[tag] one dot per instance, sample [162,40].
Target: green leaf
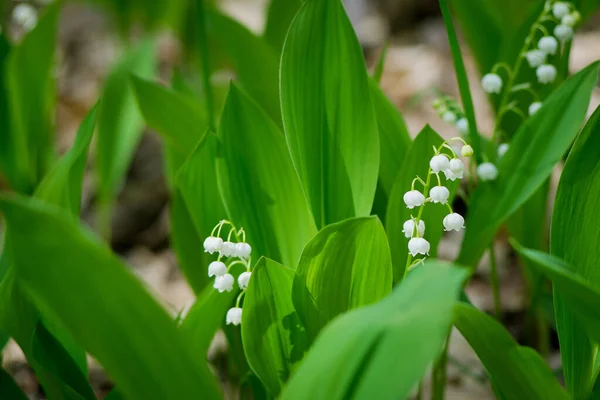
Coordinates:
[574,237]
[536,148]
[518,372]
[279,18]
[356,356]
[328,116]
[345,266]
[29,81]
[9,388]
[195,209]
[10,155]
[70,272]
[259,184]
[119,120]
[416,163]
[274,338]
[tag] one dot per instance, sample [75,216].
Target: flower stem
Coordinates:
[495,283]
[438,373]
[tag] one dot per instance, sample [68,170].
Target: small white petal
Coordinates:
[224,283]
[535,58]
[487,171]
[243,279]
[563,32]
[449,117]
[439,163]
[462,125]
[212,244]
[453,222]
[560,9]
[491,83]
[439,194]
[548,44]
[467,151]
[243,250]
[418,246]
[234,316]
[534,107]
[413,199]
[546,73]
[217,268]
[502,149]
[228,249]
[409,228]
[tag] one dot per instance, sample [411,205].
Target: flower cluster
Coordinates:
[449,111]
[239,254]
[452,168]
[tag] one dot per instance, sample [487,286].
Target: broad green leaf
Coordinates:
[279,18]
[119,120]
[29,81]
[357,355]
[416,163]
[345,266]
[574,237]
[181,121]
[518,372]
[70,272]
[274,338]
[254,61]
[536,148]
[328,115]
[9,388]
[261,190]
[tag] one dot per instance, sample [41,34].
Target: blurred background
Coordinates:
[92,36]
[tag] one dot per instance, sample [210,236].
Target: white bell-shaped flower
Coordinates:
[439,163]
[449,117]
[466,151]
[502,149]
[418,246]
[534,107]
[535,58]
[546,73]
[457,167]
[453,222]
[413,199]
[234,316]
[212,244]
[462,125]
[560,9]
[569,20]
[439,194]
[563,32]
[228,249]
[217,268]
[548,44]
[243,250]
[487,171]
[409,228]
[224,283]
[491,83]
[25,15]
[244,279]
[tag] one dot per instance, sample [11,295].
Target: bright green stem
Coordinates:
[438,374]
[495,283]
[205,60]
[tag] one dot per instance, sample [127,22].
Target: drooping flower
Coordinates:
[439,163]
[502,149]
[457,167]
[234,316]
[453,222]
[491,83]
[535,58]
[217,268]
[418,246]
[228,249]
[439,194]
[409,228]
[570,19]
[449,117]
[212,244]
[487,171]
[546,73]
[243,250]
[548,44]
[224,283]
[244,279]
[467,151]
[563,32]
[462,125]
[25,15]
[534,107]
[560,9]
[413,199]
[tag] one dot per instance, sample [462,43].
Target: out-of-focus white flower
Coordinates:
[546,73]
[491,83]
[224,283]
[548,44]
[487,171]
[453,222]
[409,228]
[535,58]
[243,279]
[234,316]
[534,107]
[463,125]
[243,250]
[439,194]
[228,249]
[563,32]
[467,151]
[212,244]
[25,15]
[570,20]
[439,163]
[502,149]
[217,268]
[418,246]
[560,9]
[413,199]
[449,117]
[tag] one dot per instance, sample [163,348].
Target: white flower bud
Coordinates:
[568,20]
[449,117]
[409,228]
[243,279]
[563,32]
[546,73]
[535,58]
[487,171]
[463,125]
[224,283]
[491,83]
[243,250]
[453,222]
[413,199]
[467,151]
[560,9]
[228,249]
[439,163]
[439,194]
[534,107]
[217,268]
[234,316]
[502,149]
[418,246]
[548,44]
[455,170]
[212,244]
[25,15]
